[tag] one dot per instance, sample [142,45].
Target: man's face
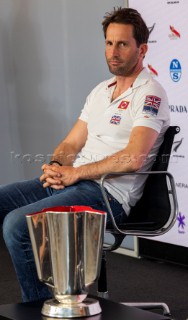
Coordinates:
[123,56]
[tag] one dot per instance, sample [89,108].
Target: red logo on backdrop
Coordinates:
[123,105]
[174,34]
[153,71]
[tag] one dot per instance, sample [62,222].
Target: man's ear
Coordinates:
[143,49]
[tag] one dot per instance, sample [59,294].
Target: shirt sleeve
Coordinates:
[84,113]
[150,108]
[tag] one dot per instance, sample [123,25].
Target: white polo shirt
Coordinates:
[110,125]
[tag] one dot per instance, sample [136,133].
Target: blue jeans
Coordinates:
[21,198]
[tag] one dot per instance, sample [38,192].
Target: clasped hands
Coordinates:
[58,177]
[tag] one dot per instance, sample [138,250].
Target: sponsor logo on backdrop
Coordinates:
[181,185]
[152,70]
[175,70]
[181,223]
[150,31]
[151,28]
[177,144]
[174,35]
[173,2]
[176,149]
[178,108]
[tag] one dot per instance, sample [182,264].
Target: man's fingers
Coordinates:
[53,186]
[57,187]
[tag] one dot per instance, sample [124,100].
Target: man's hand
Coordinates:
[57,177]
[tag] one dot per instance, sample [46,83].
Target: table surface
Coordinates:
[110,311]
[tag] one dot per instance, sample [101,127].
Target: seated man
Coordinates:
[119,130]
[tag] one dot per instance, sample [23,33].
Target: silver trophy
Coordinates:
[67,244]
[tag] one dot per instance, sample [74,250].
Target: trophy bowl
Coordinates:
[67,244]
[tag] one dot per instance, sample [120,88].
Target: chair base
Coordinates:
[150,306]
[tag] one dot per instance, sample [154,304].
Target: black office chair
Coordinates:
[154,214]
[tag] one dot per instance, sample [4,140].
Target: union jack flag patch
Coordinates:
[115,119]
[151,105]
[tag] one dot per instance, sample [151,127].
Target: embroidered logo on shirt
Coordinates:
[123,105]
[151,105]
[115,119]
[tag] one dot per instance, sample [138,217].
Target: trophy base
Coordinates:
[54,309]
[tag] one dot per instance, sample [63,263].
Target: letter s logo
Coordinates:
[175,70]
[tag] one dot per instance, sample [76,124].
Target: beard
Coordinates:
[123,68]
[118,71]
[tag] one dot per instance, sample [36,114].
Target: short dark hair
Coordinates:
[128,16]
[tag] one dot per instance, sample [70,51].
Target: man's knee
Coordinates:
[14,228]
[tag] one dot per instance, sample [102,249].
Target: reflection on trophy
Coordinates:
[67,244]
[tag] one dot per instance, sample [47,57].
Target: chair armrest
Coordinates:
[173,201]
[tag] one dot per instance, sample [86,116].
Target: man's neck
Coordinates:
[124,83]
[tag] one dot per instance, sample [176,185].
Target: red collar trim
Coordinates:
[112,84]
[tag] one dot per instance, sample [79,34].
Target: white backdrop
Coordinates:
[167,60]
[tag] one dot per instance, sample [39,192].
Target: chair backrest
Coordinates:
[156,212]
[153,209]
